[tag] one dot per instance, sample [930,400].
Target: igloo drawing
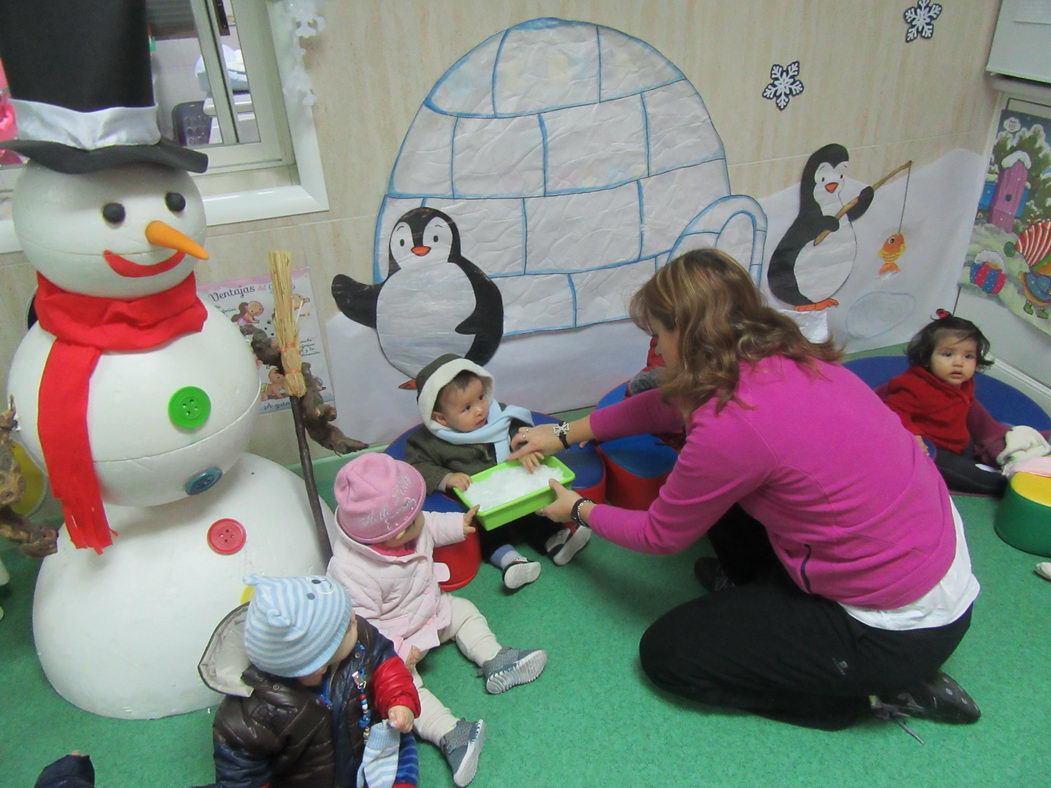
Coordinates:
[575,160]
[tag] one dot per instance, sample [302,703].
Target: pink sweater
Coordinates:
[855,511]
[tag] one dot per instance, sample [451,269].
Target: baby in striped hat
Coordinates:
[313,692]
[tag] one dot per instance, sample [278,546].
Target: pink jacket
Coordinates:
[855,511]
[399,595]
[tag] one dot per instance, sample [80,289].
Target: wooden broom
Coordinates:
[287,331]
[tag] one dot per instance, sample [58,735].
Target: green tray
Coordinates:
[521,506]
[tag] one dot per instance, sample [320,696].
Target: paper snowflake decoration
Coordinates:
[920,19]
[784,84]
[293,20]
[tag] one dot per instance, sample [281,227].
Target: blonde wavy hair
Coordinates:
[722,321]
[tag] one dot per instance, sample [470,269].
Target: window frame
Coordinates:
[289,153]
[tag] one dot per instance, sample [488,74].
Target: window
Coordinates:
[218,68]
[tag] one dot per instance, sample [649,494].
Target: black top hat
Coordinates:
[81,85]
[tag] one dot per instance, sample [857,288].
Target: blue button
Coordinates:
[202,481]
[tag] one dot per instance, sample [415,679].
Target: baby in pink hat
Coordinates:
[383,554]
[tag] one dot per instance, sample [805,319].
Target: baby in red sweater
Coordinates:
[935,400]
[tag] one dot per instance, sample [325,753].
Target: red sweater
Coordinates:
[932,408]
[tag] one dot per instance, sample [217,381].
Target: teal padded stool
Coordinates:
[1023,519]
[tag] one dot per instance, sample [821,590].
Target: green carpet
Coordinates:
[591,718]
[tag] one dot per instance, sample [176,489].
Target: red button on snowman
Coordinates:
[138,398]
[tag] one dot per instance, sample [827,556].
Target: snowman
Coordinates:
[138,397]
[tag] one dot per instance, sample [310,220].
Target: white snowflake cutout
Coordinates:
[920,19]
[784,84]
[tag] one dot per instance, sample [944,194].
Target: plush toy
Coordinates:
[35,540]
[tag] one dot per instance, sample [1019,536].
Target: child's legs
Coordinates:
[435,719]
[536,530]
[961,474]
[471,632]
[490,540]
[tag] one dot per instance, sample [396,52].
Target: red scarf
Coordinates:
[931,407]
[85,327]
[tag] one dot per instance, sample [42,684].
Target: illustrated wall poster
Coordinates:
[251,302]
[571,160]
[1009,256]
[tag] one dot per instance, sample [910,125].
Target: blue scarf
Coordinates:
[495,431]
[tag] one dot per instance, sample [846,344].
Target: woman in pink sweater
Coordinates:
[843,580]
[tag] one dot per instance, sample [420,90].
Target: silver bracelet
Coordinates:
[562,431]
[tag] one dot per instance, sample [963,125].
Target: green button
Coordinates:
[189,407]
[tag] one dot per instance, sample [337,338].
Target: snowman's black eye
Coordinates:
[175,202]
[113,212]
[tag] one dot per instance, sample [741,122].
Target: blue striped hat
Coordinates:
[295,624]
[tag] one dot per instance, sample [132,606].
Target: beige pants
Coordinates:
[476,641]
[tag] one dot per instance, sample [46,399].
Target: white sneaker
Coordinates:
[576,542]
[520,573]
[1043,569]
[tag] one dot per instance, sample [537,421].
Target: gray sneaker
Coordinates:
[461,747]
[511,667]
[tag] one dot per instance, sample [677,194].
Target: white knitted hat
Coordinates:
[295,624]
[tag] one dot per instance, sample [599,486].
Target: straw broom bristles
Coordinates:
[285,323]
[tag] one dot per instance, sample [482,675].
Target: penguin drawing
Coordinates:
[806,269]
[433,301]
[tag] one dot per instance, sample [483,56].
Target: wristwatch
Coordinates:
[562,431]
[574,513]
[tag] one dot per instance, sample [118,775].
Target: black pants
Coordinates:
[962,474]
[767,647]
[532,529]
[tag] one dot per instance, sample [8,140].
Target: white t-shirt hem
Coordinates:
[942,605]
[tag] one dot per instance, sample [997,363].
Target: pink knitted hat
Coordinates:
[377,497]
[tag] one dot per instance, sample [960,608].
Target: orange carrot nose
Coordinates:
[160,234]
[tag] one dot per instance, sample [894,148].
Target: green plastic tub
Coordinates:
[504,513]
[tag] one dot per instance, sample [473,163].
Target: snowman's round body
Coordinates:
[120,633]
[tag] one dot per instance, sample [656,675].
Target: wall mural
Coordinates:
[550,171]
[569,161]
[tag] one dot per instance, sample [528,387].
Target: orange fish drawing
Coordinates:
[892,249]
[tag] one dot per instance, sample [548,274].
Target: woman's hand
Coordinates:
[401,718]
[559,509]
[529,441]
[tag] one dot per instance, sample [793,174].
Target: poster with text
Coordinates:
[250,302]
